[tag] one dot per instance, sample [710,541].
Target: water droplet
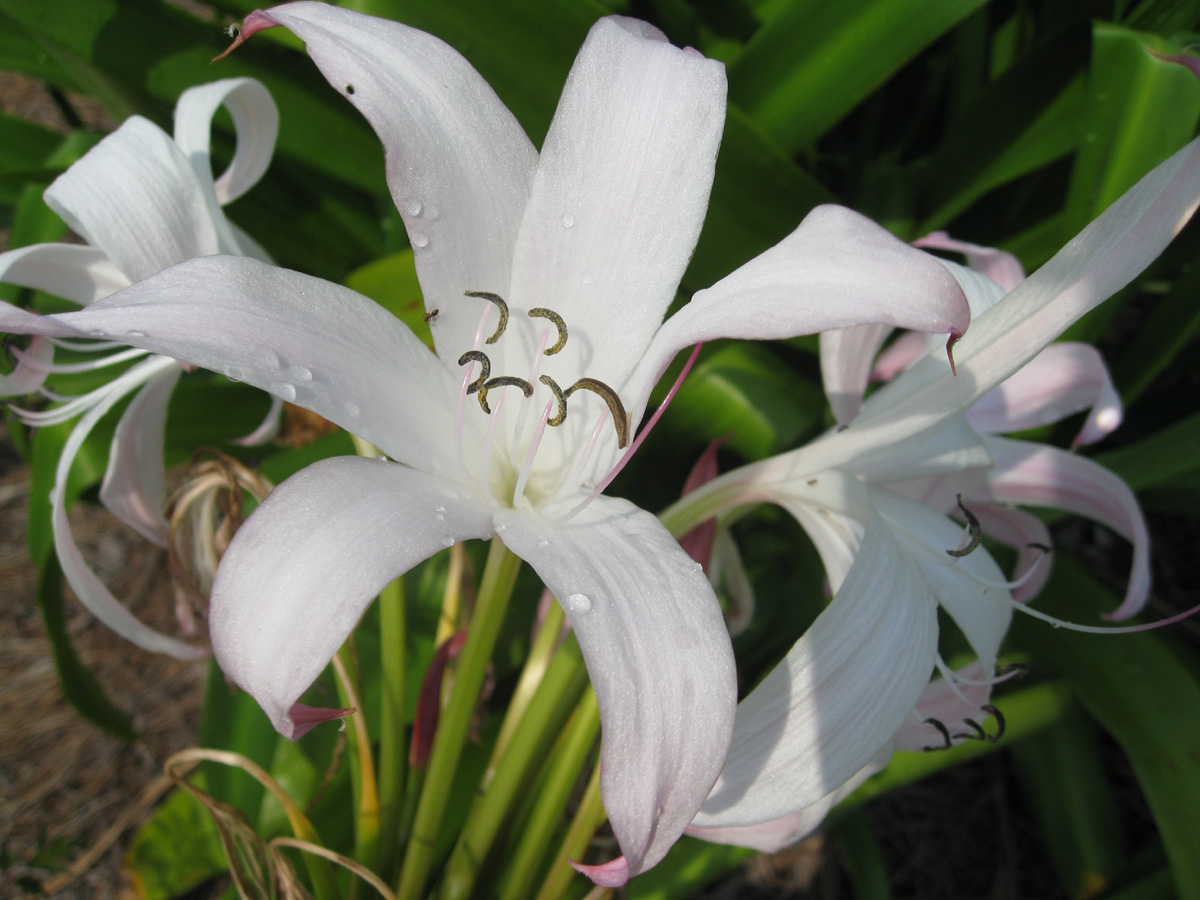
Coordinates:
[381,457]
[233,373]
[135,334]
[352,410]
[284,389]
[697,567]
[439,509]
[439,517]
[543,544]
[568,221]
[268,359]
[587,278]
[300,373]
[501,528]
[448,541]
[413,207]
[579,603]
[420,240]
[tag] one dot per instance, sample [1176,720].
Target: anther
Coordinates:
[979,735]
[485,368]
[503,381]
[541,312]
[561,415]
[1014,670]
[940,726]
[615,406]
[973,528]
[500,304]
[1045,548]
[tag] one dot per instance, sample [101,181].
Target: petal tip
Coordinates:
[254,23]
[304,719]
[612,874]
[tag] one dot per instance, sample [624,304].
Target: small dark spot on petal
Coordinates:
[349,89]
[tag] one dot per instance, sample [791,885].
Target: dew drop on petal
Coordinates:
[413,207]
[501,528]
[268,359]
[543,544]
[579,603]
[233,373]
[568,220]
[284,389]
[300,373]
[448,541]
[587,278]
[420,240]
[135,334]
[439,517]
[352,410]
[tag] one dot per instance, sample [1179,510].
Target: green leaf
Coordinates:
[1159,460]
[78,684]
[177,850]
[815,61]
[1167,332]
[1143,694]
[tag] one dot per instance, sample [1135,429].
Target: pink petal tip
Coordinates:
[255,22]
[306,718]
[612,874]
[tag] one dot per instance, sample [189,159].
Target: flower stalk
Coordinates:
[393,738]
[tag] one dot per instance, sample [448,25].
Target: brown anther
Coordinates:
[940,726]
[500,305]
[561,415]
[485,368]
[615,406]
[974,529]
[503,381]
[541,312]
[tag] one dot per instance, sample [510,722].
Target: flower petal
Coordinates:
[267,429]
[91,592]
[308,341]
[1029,536]
[135,484]
[301,570]
[659,658]
[620,193]
[836,270]
[30,373]
[1038,475]
[71,271]
[136,198]
[940,701]
[1060,381]
[458,164]
[838,697]
[1003,268]
[847,358]
[1102,259]
[255,120]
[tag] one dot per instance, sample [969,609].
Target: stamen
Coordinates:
[489,441]
[85,346]
[503,381]
[71,368]
[974,529]
[485,368]
[561,415]
[460,407]
[615,406]
[940,726]
[541,312]
[500,304]
[527,465]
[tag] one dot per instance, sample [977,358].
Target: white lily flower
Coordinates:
[843,694]
[143,201]
[568,260]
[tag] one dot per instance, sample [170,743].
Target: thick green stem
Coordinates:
[536,664]
[568,761]
[498,577]
[588,818]
[552,705]
[393,736]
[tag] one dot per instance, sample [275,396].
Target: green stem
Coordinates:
[555,793]
[362,766]
[588,818]
[393,736]
[536,664]
[564,681]
[498,577]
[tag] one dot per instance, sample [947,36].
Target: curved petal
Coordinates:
[308,341]
[838,697]
[1038,475]
[1060,381]
[267,429]
[773,836]
[301,570]
[659,658]
[1102,259]
[71,271]
[620,193]
[27,377]
[847,358]
[136,198]
[836,270]
[970,588]
[458,164]
[91,592]
[901,353]
[942,702]
[255,120]
[1029,536]
[1003,268]
[135,484]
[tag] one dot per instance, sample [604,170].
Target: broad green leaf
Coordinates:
[1163,16]
[1158,344]
[1064,782]
[392,283]
[817,60]
[864,862]
[1159,460]
[1145,697]
[177,850]
[24,145]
